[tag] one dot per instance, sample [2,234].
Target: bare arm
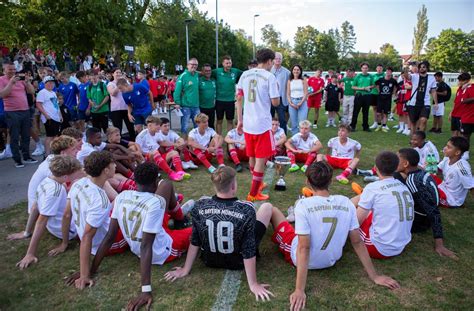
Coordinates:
[239,112]
[316,147]
[259,290]
[65,226]
[298,297]
[84,256]
[180,272]
[192,143]
[276,102]
[289,145]
[30,256]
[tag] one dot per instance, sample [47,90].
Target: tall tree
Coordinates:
[348,39]
[315,49]
[420,32]
[271,37]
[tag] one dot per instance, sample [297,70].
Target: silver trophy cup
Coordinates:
[282,164]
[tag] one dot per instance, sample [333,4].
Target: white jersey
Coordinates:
[346,151]
[87,149]
[328,221]
[278,134]
[138,212]
[90,204]
[40,174]
[147,142]
[50,104]
[205,139]
[301,144]
[235,136]
[172,137]
[457,181]
[431,85]
[393,210]
[258,87]
[51,197]
[428,149]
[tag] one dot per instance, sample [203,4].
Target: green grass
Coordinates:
[428,281]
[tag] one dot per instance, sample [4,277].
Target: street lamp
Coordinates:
[187,21]
[255,16]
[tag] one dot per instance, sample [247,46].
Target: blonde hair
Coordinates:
[62,143]
[64,165]
[305,123]
[72,132]
[223,178]
[202,117]
[153,119]
[63,74]
[111,130]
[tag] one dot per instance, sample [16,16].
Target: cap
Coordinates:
[47,79]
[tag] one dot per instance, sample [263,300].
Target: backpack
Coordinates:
[101,86]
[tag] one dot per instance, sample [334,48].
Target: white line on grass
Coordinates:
[229,290]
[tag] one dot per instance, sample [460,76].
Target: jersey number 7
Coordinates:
[333,222]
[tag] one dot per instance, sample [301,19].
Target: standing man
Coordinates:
[316,83]
[375,92]
[348,99]
[259,88]
[282,75]
[186,94]
[419,106]
[363,83]
[207,95]
[13,89]
[443,91]
[226,78]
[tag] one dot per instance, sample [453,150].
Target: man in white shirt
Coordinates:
[303,147]
[282,75]
[48,106]
[259,88]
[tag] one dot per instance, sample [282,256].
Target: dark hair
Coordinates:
[226,57]
[319,175]
[389,68]
[91,132]
[379,65]
[207,65]
[146,174]
[411,155]
[426,63]
[387,163]
[420,134]
[351,69]
[253,62]
[80,74]
[364,63]
[345,126]
[438,74]
[264,55]
[96,162]
[291,72]
[465,76]
[164,121]
[460,143]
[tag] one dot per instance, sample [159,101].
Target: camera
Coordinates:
[22,76]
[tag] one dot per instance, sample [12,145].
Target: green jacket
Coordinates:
[186,93]
[207,93]
[97,93]
[225,82]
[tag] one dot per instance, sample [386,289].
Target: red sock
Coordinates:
[310,159]
[347,172]
[162,163]
[251,169]
[234,156]
[220,155]
[374,172]
[129,174]
[177,212]
[257,179]
[292,157]
[187,155]
[202,157]
[178,165]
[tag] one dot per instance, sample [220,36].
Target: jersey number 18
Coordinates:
[225,238]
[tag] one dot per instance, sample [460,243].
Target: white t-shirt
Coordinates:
[172,137]
[428,149]
[393,211]
[431,84]
[457,180]
[258,87]
[49,100]
[204,139]
[90,204]
[40,174]
[138,212]
[328,221]
[301,144]
[87,149]
[346,151]
[147,142]
[234,135]
[278,134]
[51,197]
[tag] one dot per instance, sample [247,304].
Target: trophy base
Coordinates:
[280,187]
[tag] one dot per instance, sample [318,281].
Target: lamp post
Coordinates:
[187,21]
[254,17]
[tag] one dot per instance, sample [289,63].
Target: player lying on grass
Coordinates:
[170,140]
[51,202]
[323,223]
[227,231]
[425,194]
[303,147]
[236,147]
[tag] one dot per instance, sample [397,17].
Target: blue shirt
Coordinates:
[145,83]
[139,99]
[69,92]
[83,101]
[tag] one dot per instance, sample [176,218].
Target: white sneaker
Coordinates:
[315,126]
[221,165]
[165,110]
[386,128]
[400,130]
[334,124]
[406,132]
[373,126]
[38,151]
[187,207]
[291,214]
[155,112]
[328,124]
[185,166]
[7,153]
[396,126]
[371,178]
[190,165]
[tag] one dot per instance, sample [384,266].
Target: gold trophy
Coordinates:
[282,164]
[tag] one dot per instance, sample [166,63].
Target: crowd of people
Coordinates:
[104,185]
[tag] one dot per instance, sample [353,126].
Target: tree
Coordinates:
[452,51]
[348,39]
[315,49]
[420,32]
[271,37]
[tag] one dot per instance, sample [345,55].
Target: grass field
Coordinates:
[428,281]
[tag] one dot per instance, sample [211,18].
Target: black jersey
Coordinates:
[224,229]
[333,93]
[386,87]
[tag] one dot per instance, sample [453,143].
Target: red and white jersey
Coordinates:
[87,149]
[302,144]
[148,142]
[172,137]
[90,205]
[393,212]
[40,174]
[234,135]
[346,151]
[51,198]
[328,221]
[428,149]
[204,139]
[258,87]
[278,134]
[139,212]
[457,180]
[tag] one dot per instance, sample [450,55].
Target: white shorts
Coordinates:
[439,112]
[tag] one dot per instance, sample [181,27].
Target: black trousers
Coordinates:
[211,113]
[118,117]
[100,121]
[361,102]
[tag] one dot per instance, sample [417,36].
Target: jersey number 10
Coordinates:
[225,242]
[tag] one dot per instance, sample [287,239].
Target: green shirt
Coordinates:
[97,93]
[186,93]
[225,82]
[207,93]
[348,82]
[363,81]
[376,77]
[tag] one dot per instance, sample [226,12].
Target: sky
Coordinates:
[375,22]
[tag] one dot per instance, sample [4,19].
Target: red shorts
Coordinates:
[260,145]
[241,154]
[283,236]
[314,102]
[400,111]
[365,236]
[165,151]
[181,240]
[341,163]
[119,246]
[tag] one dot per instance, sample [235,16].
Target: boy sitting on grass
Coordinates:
[236,147]
[170,140]
[426,149]
[279,136]
[302,147]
